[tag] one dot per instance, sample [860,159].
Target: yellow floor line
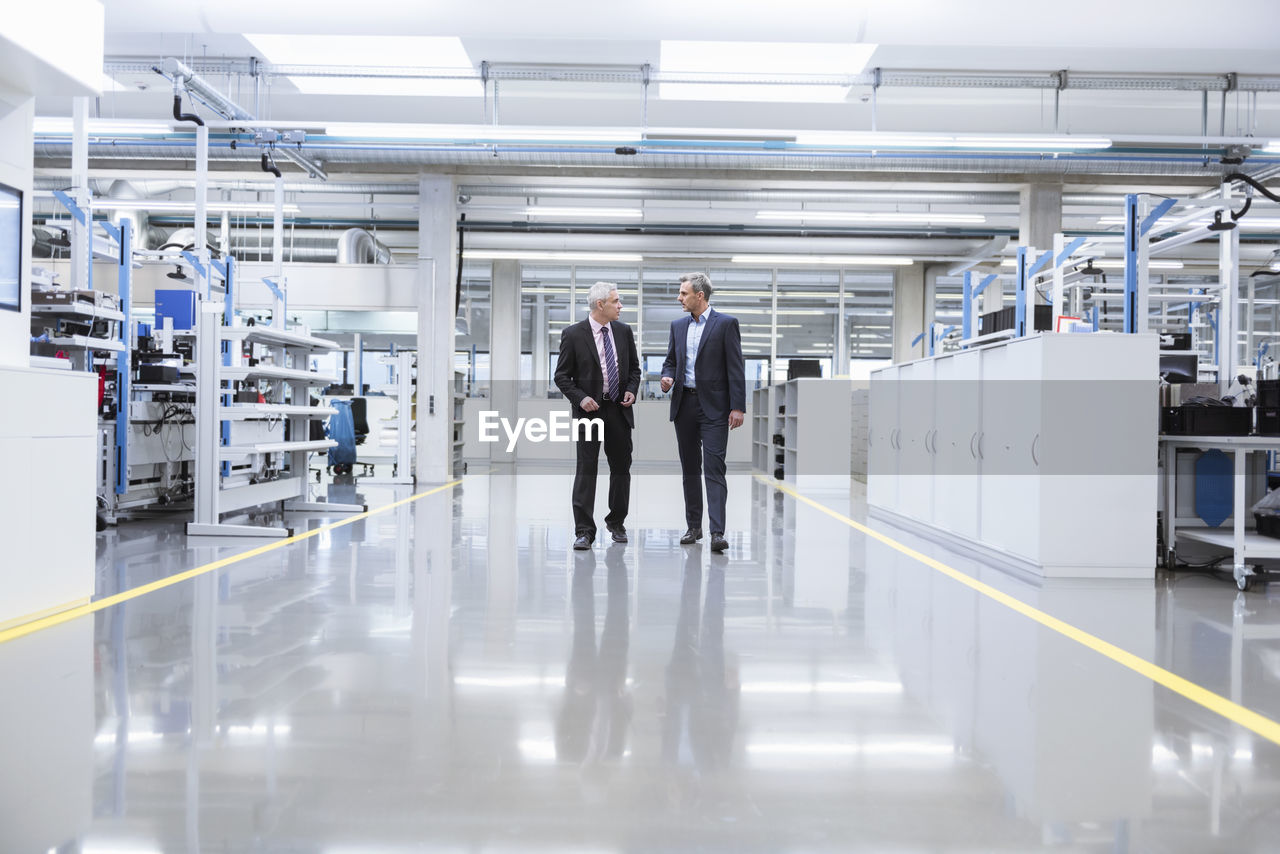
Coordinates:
[1234,712]
[38,623]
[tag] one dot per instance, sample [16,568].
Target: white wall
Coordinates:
[16,113]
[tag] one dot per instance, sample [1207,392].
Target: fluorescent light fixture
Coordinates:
[101,127]
[717,63]
[613,213]
[865,686]
[836,748]
[443,55]
[508,681]
[537,255]
[877,140]
[825,260]
[168,205]
[481,133]
[871,217]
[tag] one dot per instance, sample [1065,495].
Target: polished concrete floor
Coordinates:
[449,676]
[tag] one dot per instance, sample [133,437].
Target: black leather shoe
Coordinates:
[691,536]
[582,544]
[618,533]
[718,542]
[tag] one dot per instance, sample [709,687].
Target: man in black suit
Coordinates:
[704,365]
[599,372]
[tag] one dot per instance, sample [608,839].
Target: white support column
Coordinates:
[1040,218]
[908,312]
[504,347]
[437,251]
[1229,275]
[280,308]
[82,235]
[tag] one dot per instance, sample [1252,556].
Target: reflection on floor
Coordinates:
[450,676]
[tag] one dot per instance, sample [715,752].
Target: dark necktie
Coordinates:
[610,365]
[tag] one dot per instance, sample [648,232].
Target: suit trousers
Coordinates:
[702,444]
[617,450]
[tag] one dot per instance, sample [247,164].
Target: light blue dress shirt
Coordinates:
[691,341]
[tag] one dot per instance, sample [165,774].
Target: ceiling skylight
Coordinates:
[440,54]
[721,62]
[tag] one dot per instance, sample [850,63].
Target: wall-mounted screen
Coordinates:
[11,240]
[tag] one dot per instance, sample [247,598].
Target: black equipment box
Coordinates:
[1206,420]
[1268,421]
[1005,318]
[157,373]
[1269,393]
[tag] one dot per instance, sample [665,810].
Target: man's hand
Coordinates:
[735,419]
[589,405]
[667,383]
[628,399]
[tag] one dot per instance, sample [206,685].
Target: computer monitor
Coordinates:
[11,243]
[1182,368]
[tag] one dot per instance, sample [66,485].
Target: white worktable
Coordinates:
[1242,543]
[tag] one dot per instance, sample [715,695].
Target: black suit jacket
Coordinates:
[578,372]
[719,368]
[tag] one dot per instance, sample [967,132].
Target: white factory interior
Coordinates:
[290,554]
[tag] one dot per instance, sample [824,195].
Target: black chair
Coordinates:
[360,415]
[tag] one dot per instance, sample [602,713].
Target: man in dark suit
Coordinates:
[599,372]
[705,367]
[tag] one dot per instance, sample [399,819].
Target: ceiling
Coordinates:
[969,45]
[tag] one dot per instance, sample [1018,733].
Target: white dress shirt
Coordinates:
[691,341]
[598,338]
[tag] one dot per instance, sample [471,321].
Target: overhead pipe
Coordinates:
[357,246]
[225,107]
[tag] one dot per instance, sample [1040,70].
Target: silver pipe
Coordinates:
[224,106]
[357,246]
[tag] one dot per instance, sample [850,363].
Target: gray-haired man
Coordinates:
[599,372]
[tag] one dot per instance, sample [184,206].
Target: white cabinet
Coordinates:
[882,468]
[955,442]
[1040,449]
[914,437]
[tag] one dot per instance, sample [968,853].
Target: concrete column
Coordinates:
[1040,218]
[909,318]
[437,254]
[504,348]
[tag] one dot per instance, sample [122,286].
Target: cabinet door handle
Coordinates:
[972,451]
[1034,443]
[981,455]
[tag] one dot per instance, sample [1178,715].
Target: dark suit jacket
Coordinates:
[719,370]
[578,372]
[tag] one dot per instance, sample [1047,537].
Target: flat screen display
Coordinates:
[11,239]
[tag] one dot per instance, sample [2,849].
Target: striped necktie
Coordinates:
[610,365]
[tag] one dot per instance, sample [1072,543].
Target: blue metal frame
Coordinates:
[1131,235]
[966,310]
[1020,312]
[70,204]
[1161,209]
[124,236]
[228,271]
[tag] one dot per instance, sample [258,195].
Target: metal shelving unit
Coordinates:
[247,455]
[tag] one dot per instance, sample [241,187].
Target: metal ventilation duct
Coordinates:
[390,156]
